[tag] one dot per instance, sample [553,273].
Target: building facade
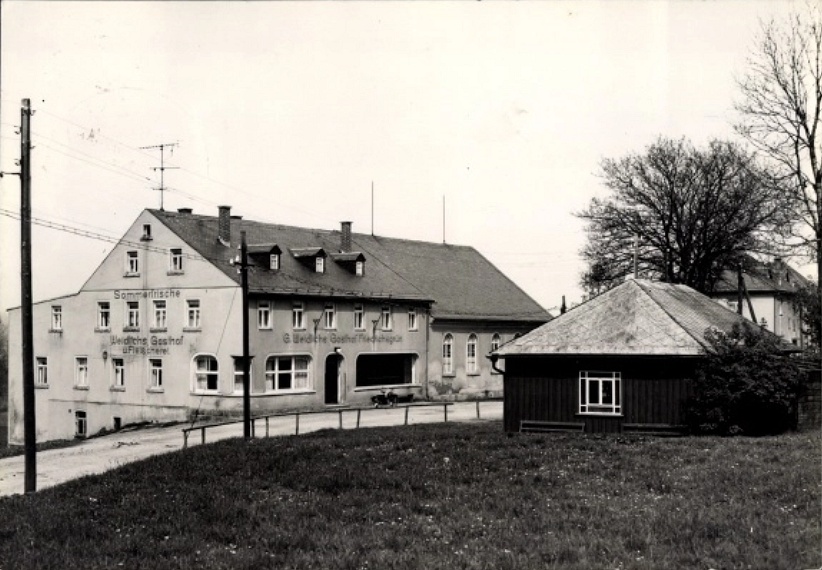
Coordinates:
[155,334]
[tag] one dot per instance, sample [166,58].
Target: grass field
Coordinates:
[436,496]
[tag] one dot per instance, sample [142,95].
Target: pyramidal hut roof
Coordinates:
[638,317]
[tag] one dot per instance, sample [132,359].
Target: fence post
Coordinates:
[202,435]
[445,409]
[340,412]
[266,426]
[358,417]
[297,417]
[478,415]
[406,414]
[185,439]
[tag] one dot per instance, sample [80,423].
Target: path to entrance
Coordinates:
[100,454]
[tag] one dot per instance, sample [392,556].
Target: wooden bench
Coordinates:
[540,426]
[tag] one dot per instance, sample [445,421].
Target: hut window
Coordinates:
[600,393]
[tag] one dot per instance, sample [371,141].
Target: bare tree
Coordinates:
[780,108]
[679,214]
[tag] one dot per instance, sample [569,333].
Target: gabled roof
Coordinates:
[303,252]
[459,281]
[773,277]
[263,249]
[638,317]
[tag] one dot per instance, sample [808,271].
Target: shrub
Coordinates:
[746,385]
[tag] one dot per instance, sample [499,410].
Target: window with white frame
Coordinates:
[359,317]
[263,314]
[495,342]
[359,268]
[118,365]
[448,354]
[206,373]
[298,315]
[287,373]
[103,315]
[159,314]
[42,371]
[385,319]
[238,375]
[175,260]
[412,319]
[471,355]
[155,373]
[56,318]
[319,264]
[330,316]
[600,393]
[193,313]
[274,261]
[81,372]
[132,263]
[146,232]
[133,314]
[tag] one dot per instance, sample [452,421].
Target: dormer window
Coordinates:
[313,258]
[146,232]
[351,261]
[274,261]
[265,255]
[359,268]
[319,265]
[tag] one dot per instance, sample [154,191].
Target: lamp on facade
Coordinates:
[105,355]
[375,322]
[316,324]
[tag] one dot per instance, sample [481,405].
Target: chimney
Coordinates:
[224,228]
[345,238]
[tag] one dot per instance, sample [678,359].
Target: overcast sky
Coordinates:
[289,112]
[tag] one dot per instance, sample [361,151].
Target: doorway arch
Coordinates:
[333,378]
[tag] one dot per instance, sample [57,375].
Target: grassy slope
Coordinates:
[445,496]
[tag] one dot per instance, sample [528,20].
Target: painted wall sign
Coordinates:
[134,294]
[147,345]
[335,338]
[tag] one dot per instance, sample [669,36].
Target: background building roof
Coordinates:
[461,283]
[760,277]
[638,317]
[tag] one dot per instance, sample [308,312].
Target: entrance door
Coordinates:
[333,365]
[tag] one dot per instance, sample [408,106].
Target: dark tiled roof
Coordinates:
[773,277]
[459,281]
[638,317]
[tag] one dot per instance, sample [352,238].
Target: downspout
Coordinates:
[494,358]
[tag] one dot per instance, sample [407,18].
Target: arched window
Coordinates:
[495,342]
[448,354]
[471,354]
[206,373]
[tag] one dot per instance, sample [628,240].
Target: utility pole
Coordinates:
[162,168]
[29,410]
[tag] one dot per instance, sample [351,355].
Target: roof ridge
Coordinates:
[670,316]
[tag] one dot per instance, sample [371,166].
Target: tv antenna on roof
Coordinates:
[162,168]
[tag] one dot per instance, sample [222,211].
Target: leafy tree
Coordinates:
[681,214]
[781,113]
[747,384]
[807,301]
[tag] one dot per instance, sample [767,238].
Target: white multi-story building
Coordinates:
[155,334]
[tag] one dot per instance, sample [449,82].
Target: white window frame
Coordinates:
[471,349]
[274,262]
[132,262]
[81,371]
[175,260]
[192,314]
[56,317]
[300,377]
[298,316]
[41,377]
[359,268]
[385,318]
[448,354]
[413,325]
[155,374]
[197,372]
[132,315]
[103,315]
[160,314]
[330,316]
[319,264]
[264,315]
[146,232]
[606,386]
[118,366]
[359,317]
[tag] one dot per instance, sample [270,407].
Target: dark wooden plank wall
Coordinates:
[545,388]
